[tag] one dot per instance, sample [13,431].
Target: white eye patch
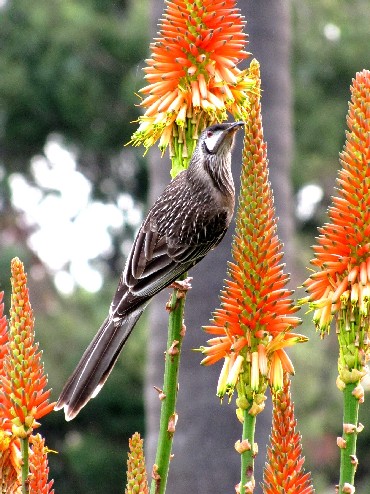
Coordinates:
[211,141]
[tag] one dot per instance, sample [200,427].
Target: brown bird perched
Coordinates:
[188,220]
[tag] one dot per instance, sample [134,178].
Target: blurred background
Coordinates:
[72,196]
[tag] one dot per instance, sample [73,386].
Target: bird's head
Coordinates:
[218,139]
[211,161]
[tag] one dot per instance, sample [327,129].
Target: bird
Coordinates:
[188,219]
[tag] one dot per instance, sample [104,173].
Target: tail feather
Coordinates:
[96,363]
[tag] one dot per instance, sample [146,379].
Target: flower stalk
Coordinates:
[168,416]
[247,481]
[348,458]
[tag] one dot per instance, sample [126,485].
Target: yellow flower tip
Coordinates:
[222,380]
[233,375]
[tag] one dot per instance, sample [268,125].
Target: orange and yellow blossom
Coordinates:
[252,328]
[39,468]
[340,286]
[284,470]
[9,445]
[23,396]
[136,472]
[193,75]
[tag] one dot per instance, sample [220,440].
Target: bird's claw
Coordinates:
[182,285]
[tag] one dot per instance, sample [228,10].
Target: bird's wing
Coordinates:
[156,261]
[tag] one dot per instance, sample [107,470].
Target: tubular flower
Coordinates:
[23,398]
[341,285]
[284,470]
[3,332]
[10,463]
[136,473]
[192,73]
[256,313]
[39,469]
[3,352]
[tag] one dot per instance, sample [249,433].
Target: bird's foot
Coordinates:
[182,285]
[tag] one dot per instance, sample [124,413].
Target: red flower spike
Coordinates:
[256,313]
[23,399]
[192,73]
[342,253]
[284,470]
[39,469]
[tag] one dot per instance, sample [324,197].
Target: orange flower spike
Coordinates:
[39,469]
[195,56]
[284,470]
[23,398]
[256,308]
[342,252]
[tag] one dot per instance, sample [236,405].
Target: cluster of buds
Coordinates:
[193,75]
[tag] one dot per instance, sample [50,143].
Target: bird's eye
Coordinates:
[209,133]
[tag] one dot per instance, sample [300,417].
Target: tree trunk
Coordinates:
[204,457]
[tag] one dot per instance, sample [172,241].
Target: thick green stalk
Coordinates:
[25,464]
[348,459]
[247,457]
[170,387]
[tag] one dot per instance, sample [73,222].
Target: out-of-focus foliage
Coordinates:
[330,44]
[70,67]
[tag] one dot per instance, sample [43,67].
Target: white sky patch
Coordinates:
[332,32]
[308,198]
[70,228]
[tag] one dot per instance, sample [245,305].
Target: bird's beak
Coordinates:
[235,126]
[229,131]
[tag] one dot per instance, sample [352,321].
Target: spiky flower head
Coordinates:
[252,327]
[23,396]
[136,472]
[192,73]
[340,285]
[284,470]
[39,469]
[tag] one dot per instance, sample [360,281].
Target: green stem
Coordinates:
[25,464]
[170,388]
[247,458]
[348,462]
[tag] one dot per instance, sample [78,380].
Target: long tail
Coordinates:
[96,364]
